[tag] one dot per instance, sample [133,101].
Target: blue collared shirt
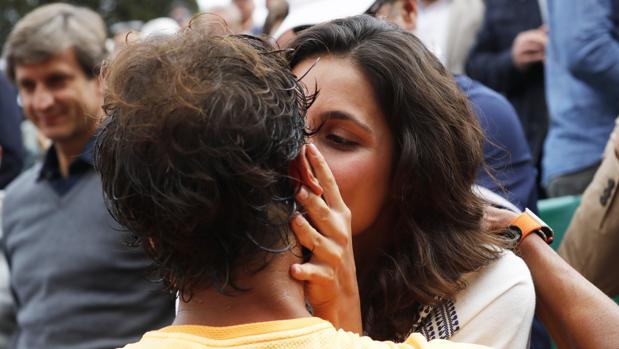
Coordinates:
[582,83]
[50,170]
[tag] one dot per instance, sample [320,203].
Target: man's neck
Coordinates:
[67,151]
[271,295]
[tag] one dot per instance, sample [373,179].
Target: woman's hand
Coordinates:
[330,275]
[497,219]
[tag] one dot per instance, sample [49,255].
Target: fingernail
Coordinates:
[303,194]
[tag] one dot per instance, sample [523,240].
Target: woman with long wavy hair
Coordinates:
[404,147]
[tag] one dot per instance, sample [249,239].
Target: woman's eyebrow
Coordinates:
[340,115]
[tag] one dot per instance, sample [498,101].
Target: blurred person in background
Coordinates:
[591,242]
[122,32]
[582,79]
[76,282]
[449,28]
[11,162]
[230,14]
[10,133]
[508,56]
[277,12]
[180,12]
[247,8]
[7,305]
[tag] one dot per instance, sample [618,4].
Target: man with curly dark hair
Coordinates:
[195,157]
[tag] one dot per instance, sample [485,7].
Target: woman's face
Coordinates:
[354,137]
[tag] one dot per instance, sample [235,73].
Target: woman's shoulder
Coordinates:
[496,308]
[507,280]
[507,271]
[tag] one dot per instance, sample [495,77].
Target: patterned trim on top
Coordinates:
[437,322]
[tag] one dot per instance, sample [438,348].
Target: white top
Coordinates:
[433,26]
[495,309]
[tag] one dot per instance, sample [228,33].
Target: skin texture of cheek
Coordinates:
[362,185]
[58,121]
[81,109]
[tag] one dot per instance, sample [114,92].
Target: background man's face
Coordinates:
[59,98]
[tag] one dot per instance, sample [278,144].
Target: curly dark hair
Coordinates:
[195,150]
[436,236]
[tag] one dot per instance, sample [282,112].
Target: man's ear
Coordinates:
[409,14]
[301,170]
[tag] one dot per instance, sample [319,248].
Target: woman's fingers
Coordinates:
[317,274]
[303,170]
[330,274]
[325,177]
[322,247]
[330,224]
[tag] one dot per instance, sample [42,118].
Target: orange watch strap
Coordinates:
[526,224]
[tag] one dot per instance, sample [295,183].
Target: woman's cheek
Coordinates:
[355,176]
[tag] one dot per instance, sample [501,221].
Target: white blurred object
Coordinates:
[432,26]
[494,199]
[259,14]
[204,4]
[160,26]
[309,12]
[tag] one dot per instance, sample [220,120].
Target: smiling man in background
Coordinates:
[76,283]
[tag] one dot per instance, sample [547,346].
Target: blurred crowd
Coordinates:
[540,76]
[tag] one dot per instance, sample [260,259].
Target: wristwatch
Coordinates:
[527,223]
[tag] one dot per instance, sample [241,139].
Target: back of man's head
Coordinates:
[51,29]
[194,153]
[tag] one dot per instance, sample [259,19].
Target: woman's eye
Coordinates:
[340,141]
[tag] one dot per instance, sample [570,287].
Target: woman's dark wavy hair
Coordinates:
[194,154]
[437,233]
